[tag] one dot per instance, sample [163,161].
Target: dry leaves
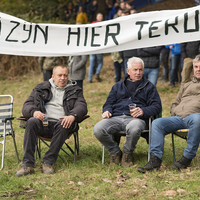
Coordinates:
[169,193]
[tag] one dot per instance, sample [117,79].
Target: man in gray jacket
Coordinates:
[77,68]
[185,115]
[59,100]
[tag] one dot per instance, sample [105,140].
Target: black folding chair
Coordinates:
[46,139]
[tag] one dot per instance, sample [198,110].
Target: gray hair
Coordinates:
[196,59]
[134,60]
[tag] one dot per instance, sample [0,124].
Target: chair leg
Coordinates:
[13,136]
[150,121]
[3,153]
[103,153]
[75,146]
[174,156]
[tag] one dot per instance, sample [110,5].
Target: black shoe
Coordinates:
[172,85]
[154,163]
[182,163]
[98,78]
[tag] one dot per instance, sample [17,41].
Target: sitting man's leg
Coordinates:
[103,131]
[160,128]
[134,128]
[33,127]
[60,134]
[192,122]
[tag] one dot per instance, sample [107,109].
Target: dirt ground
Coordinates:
[169,5]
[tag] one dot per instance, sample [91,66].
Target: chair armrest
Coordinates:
[23,121]
[83,118]
[4,120]
[22,118]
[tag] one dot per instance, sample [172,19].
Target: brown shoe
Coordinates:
[127,160]
[115,158]
[25,171]
[47,168]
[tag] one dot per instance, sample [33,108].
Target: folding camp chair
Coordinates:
[6,129]
[46,139]
[145,133]
[182,133]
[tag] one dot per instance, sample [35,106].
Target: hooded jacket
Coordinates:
[146,97]
[73,100]
[187,101]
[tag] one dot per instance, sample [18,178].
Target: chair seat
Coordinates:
[182,133]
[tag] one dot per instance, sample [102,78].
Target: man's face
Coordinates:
[99,17]
[197,69]
[60,76]
[136,72]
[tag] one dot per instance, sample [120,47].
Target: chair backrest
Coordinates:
[6,111]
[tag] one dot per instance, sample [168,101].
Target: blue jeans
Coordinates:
[175,62]
[95,59]
[151,74]
[119,67]
[166,125]
[104,129]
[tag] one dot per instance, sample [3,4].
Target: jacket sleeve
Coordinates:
[41,62]
[79,109]
[82,62]
[30,106]
[111,100]
[154,106]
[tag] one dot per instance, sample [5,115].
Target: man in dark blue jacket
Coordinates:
[116,115]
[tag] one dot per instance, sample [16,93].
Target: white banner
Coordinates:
[18,37]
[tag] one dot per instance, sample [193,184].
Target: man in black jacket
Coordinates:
[59,100]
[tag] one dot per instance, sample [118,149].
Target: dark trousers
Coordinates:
[33,128]
[47,74]
[165,62]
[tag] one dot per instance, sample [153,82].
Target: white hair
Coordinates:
[196,59]
[134,60]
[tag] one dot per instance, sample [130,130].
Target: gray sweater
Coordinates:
[54,107]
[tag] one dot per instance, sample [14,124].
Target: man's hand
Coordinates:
[67,121]
[106,114]
[39,115]
[137,112]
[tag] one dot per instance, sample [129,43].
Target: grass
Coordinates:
[88,178]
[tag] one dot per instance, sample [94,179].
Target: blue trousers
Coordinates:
[95,59]
[151,74]
[166,125]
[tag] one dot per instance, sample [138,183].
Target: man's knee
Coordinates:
[33,122]
[98,130]
[135,129]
